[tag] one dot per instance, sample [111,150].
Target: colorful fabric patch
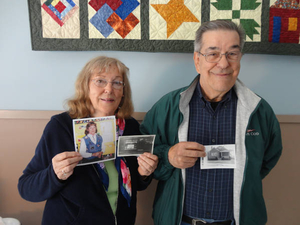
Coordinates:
[60,19]
[126,177]
[176,19]
[244,12]
[114,19]
[284,22]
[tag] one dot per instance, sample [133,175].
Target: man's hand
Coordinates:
[185,154]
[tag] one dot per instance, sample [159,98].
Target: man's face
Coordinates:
[216,79]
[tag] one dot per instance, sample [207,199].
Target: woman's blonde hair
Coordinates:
[80,106]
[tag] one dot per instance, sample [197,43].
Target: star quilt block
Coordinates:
[174,19]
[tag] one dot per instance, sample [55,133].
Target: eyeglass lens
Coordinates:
[102,83]
[216,56]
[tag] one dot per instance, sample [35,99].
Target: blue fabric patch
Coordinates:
[276,29]
[71,3]
[55,11]
[99,20]
[103,176]
[126,8]
[66,10]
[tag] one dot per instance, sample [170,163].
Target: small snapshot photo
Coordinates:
[135,145]
[219,156]
[95,139]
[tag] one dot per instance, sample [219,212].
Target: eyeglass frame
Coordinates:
[112,82]
[221,55]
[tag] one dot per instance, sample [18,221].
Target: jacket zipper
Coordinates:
[246,160]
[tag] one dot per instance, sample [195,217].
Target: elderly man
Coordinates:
[215,110]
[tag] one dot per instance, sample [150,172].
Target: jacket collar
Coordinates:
[246,97]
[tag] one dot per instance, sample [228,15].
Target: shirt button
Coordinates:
[208,213]
[210,190]
[213,140]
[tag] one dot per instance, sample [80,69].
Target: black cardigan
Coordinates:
[81,199]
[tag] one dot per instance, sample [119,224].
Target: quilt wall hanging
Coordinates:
[272,26]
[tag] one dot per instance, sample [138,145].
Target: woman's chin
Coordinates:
[104,113]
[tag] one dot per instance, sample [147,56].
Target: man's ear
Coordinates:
[197,61]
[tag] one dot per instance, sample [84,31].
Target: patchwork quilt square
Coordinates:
[114,19]
[284,21]
[60,18]
[174,19]
[244,12]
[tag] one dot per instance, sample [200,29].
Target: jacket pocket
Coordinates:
[73,210]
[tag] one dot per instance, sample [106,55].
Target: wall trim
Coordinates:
[46,115]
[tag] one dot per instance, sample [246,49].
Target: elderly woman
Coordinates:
[100,193]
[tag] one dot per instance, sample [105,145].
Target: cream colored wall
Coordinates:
[282,185]
[20,132]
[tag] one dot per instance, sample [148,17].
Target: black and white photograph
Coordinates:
[219,156]
[135,145]
[95,139]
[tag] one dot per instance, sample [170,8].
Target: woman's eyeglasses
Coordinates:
[99,82]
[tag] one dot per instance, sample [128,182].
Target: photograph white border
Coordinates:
[137,144]
[105,130]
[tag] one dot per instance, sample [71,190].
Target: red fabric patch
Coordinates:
[286,36]
[45,7]
[123,27]
[60,6]
[113,4]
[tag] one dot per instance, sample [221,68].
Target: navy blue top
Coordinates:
[81,199]
[209,192]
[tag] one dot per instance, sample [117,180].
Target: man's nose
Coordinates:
[223,63]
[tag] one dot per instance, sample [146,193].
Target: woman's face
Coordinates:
[92,129]
[105,100]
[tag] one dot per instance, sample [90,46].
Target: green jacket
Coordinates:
[258,148]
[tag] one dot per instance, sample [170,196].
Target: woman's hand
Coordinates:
[98,154]
[64,164]
[147,163]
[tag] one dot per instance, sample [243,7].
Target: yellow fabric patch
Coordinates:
[293,24]
[54,3]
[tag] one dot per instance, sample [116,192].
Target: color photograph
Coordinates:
[94,139]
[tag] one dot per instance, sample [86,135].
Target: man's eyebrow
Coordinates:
[216,48]
[212,48]
[235,46]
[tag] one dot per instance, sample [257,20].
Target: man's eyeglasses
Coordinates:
[99,82]
[214,57]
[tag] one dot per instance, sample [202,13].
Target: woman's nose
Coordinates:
[109,88]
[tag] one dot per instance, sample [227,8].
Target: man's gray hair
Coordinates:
[218,25]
